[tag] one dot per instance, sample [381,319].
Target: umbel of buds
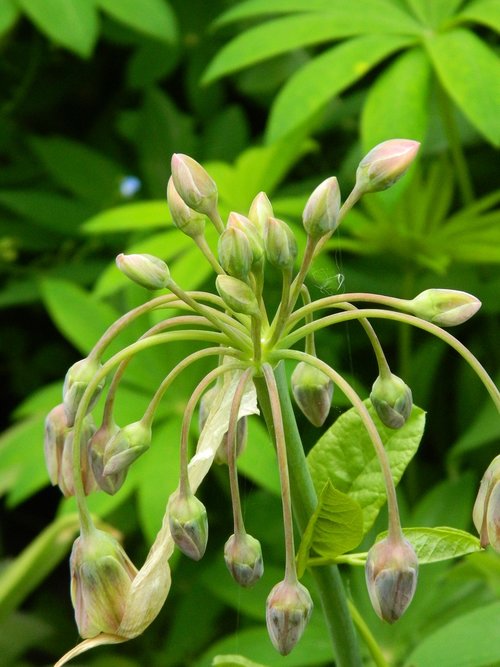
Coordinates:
[392,400]
[313,391]
[243,557]
[288,610]
[188,524]
[385,164]
[391,577]
[486,513]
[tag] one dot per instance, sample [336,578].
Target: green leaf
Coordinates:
[470,640]
[470,73]
[436,544]
[484,430]
[133,217]
[152,17]
[9,13]
[345,456]
[433,13]
[233,661]
[70,23]
[335,527]
[486,12]
[397,103]
[307,92]
[47,209]
[254,8]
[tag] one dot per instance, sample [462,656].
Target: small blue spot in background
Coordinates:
[129,186]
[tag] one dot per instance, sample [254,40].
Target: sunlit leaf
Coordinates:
[9,13]
[442,543]
[152,17]
[136,216]
[486,12]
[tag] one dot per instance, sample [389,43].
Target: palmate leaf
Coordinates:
[307,92]
[433,13]
[154,18]
[254,8]
[486,12]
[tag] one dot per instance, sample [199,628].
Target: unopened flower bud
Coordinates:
[65,478]
[76,382]
[235,254]
[125,447]
[260,211]
[391,577]
[146,270]
[385,164]
[392,399]
[313,391]
[222,452]
[101,577]
[243,557]
[321,212]
[252,234]
[56,430]
[187,220]
[280,244]
[193,184]
[288,609]
[486,513]
[444,307]
[237,295]
[97,447]
[188,525]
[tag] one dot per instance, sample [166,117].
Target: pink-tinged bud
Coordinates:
[260,211]
[391,577]
[237,295]
[76,382]
[444,307]
[187,220]
[56,430]
[312,391]
[321,212]
[486,513]
[235,253]
[280,244]
[97,447]
[188,525]
[392,399]
[125,447]
[193,184]
[101,577]
[252,234]
[288,610]
[146,270]
[243,557]
[65,479]
[385,164]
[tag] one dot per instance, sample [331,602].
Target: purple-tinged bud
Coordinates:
[65,479]
[243,557]
[222,452]
[313,391]
[251,232]
[97,447]
[391,577]
[125,447]
[194,185]
[444,307]
[392,399]
[56,430]
[146,270]
[237,295]
[188,525]
[486,513]
[101,577]
[76,382]
[187,220]
[260,211]
[385,164]
[280,244]
[321,212]
[288,610]
[235,253]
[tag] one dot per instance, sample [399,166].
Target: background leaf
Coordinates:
[436,544]
[152,17]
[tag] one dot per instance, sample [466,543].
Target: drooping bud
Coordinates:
[251,232]
[243,557]
[146,270]
[237,295]
[193,184]
[313,391]
[101,577]
[444,307]
[391,577]
[76,382]
[222,453]
[235,254]
[280,244]
[260,210]
[125,447]
[392,399]
[97,446]
[385,164]
[56,430]
[321,212]
[188,524]
[486,513]
[187,220]
[288,609]
[65,478]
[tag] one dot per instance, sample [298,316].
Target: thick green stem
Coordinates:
[329,583]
